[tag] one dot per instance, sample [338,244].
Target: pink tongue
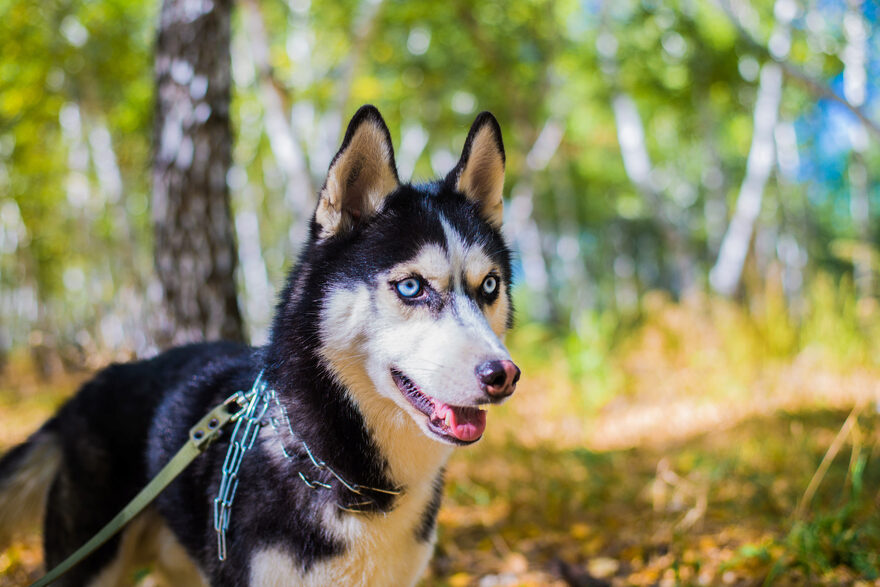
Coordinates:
[466,423]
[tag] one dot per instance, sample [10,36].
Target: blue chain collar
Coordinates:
[248,424]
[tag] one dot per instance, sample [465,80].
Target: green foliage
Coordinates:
[838,327]
[830,541]
[69,71]
[589,354]
[835,542]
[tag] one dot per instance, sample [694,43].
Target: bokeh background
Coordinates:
[692,193]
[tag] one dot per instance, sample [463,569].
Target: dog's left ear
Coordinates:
[479,174]
[361,174]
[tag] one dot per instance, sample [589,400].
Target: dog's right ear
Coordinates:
[361,174]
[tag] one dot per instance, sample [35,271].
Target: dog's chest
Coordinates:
[378,550]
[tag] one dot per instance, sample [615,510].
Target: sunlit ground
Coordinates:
[697,450]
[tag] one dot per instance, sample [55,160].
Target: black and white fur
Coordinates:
[352,360]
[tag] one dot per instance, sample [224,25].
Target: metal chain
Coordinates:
[321,465]
[248,423]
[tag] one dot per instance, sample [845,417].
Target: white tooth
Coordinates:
[448,419]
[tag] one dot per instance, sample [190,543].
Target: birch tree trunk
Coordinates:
[855,91]
[725,275]
[286,147]
[195,251]
[639,169]
[521,227]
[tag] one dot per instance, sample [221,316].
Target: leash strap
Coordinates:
[200,437]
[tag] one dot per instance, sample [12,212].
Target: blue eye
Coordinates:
[409,288]
[490,284]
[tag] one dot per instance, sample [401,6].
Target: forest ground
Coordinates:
[703,468]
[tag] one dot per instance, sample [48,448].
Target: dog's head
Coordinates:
[415,294]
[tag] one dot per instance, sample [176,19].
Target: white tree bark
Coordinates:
[639,170]
[258,291]
[725,275]
[302,151]
[193,227]
[854,90]
[362,27]
[413,139]
[299,191]
[631,136]
[521,228]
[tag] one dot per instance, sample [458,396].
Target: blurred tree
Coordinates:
[725,275]
[194,248]
[855,56]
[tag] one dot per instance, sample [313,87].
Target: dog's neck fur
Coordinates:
[412,457]
[362,436]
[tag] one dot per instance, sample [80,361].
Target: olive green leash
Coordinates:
[200,437]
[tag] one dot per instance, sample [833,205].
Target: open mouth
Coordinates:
[459,424]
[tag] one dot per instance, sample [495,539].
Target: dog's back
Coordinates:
[77,471]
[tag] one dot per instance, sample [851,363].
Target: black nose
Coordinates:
[498,378]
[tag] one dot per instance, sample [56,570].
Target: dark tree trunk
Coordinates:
[194,242]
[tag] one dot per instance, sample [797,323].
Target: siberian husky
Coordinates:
[386,340]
